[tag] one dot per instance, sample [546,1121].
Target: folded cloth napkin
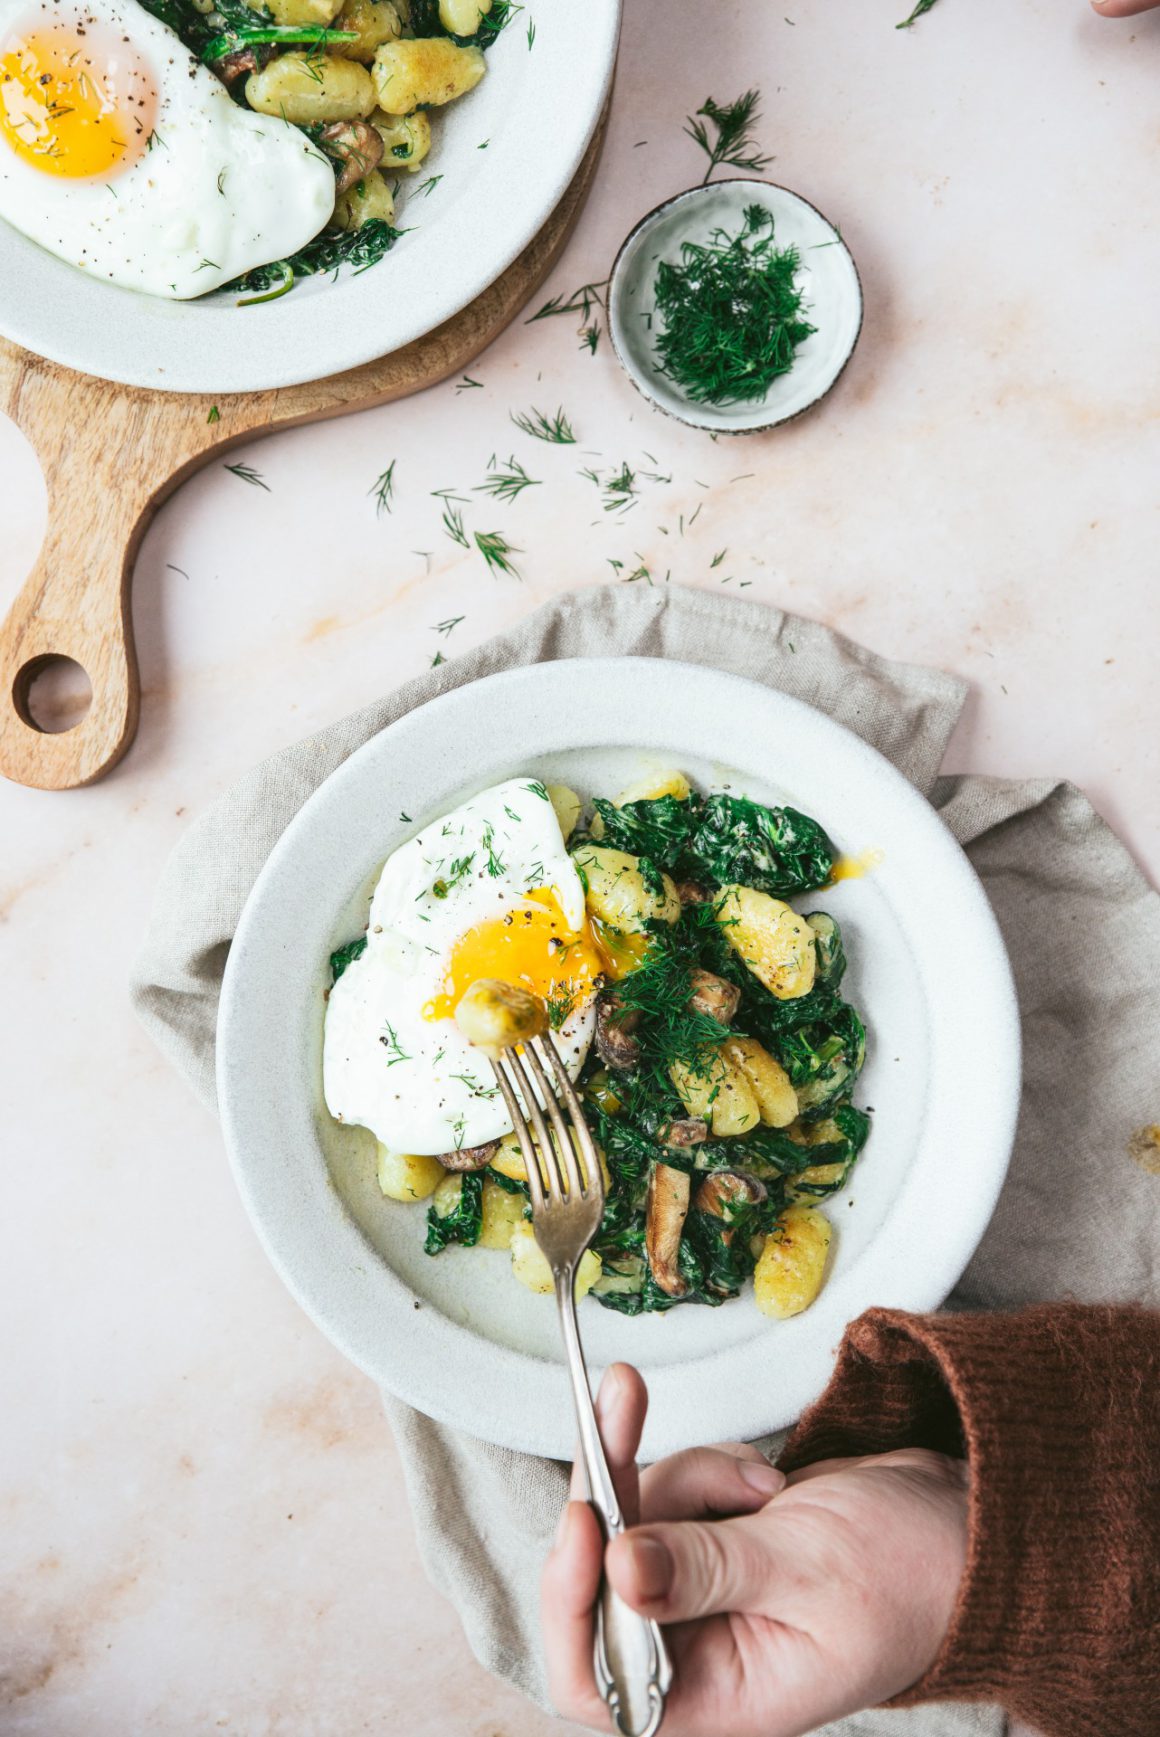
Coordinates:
[1080,1214]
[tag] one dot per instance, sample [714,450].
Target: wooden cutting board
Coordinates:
[112,454]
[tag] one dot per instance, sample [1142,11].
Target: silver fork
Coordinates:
[632,1665]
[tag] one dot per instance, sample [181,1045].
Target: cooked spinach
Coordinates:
[463,1223]
[358,248]
[725,840]
[346,955]
[425,21]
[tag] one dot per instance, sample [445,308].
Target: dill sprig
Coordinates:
[556,429]
[383,489]
[731,313]
[453,525]
[248,474]
[497,552]
[580,302]
[445,627]
[506,484]
[923,6]
[732,124]
[620,490]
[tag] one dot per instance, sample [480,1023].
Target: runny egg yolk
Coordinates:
[531,945]
[74,102]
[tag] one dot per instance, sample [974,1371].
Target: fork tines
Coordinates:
[553,1168]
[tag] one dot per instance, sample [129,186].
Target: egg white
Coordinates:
[414,1081]
[219,190]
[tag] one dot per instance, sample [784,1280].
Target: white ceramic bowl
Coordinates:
[537,109]
[455,1335]
[828,275]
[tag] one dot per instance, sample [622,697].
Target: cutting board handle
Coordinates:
[111,455]
[75,603]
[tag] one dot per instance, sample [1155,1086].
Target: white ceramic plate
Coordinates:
[455,1335]
[827,275]
[537,109]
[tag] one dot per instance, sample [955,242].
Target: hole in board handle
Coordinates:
[52,694]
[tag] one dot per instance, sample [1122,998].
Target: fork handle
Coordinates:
[631,1662]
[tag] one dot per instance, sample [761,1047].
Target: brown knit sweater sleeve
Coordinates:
[1057,1410]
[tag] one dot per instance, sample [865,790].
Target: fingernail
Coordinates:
[653,1566]
[763,1478]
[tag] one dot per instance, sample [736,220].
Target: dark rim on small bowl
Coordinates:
[642,223]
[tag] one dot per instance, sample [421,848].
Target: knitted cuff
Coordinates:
[1057,1409]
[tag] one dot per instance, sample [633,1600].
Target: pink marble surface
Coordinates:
[201,1520]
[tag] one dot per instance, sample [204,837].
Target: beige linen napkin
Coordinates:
[1078,1217]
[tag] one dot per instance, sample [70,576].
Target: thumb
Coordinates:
[693,1568]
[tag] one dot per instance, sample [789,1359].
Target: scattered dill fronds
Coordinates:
[497,552]
[437,660]
[923,6]
[445,627]
[581,302]
[556,429]
[467,384]
[639,572]
[531,31]
[559,1007]
[453,525]
[620,490]
[731,313]
[383,489]
[429,185]
[732,124]
[506,484]
[249,474]
[215,414]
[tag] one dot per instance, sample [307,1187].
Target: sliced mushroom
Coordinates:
[615,1044]
[692,893]
[668,1203]
[470,1157]
[680,1135]
[722,1193]
[713,995]
[253,58]
[356,145]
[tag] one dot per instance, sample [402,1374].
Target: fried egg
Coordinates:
[487,891]
[122,154]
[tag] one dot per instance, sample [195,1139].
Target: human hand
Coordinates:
[1123,8]
[792,1602]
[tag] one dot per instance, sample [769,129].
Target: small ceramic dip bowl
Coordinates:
[828,276]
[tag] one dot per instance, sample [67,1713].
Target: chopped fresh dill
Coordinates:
[474,1087]
[428,186]
[215,414]
[718,557]
[453,525]
[538,789]
[249,474]
[467,384]
[531,32]
[559,1007]
[589,338]
[390,1043]
[495,867]
[923,6]
[556,429]
[497,552]
[620,490]
[731,313]
[506,484]
[732,123]
[437,660]
[383,489]
[445,627]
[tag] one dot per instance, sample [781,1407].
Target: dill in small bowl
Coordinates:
[734,306]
